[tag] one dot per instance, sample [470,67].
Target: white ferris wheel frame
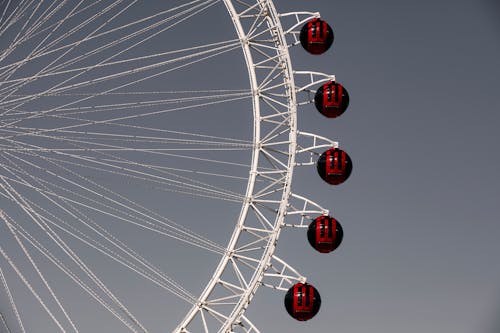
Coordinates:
[278,147]
[278,83]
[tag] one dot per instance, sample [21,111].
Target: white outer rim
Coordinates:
[267,255]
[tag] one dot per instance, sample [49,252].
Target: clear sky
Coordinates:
[421,210]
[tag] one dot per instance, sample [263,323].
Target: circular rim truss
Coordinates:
[243,266]
[249,260]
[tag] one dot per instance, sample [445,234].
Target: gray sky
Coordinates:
[421,210]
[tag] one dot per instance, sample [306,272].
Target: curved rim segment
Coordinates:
[256,233]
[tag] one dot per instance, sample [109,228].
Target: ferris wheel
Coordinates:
[147,152]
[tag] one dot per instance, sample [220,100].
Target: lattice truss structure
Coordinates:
[74,111]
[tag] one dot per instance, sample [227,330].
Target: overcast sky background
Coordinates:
[421,209]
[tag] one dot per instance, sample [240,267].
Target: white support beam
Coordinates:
[305,210]
[280,275]
[293,22]
[310,146]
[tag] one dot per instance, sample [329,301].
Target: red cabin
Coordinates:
[325,234]
[316,36]
[331,99]
[334,166]
[302,301]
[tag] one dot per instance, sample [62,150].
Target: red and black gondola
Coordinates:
[302,301]
[325,234]
[331,99]
[316,36]
[334,166]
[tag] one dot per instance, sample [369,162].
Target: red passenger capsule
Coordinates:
[334,166]
[325,234]
[316,36]
[302,301]
[331,99]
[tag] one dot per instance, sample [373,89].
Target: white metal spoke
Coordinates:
[28,285]
[103,233]
[15,196]
[11,299]
[60,243]
[131,215]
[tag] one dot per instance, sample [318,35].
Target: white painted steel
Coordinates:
[266,7]
[248,261]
